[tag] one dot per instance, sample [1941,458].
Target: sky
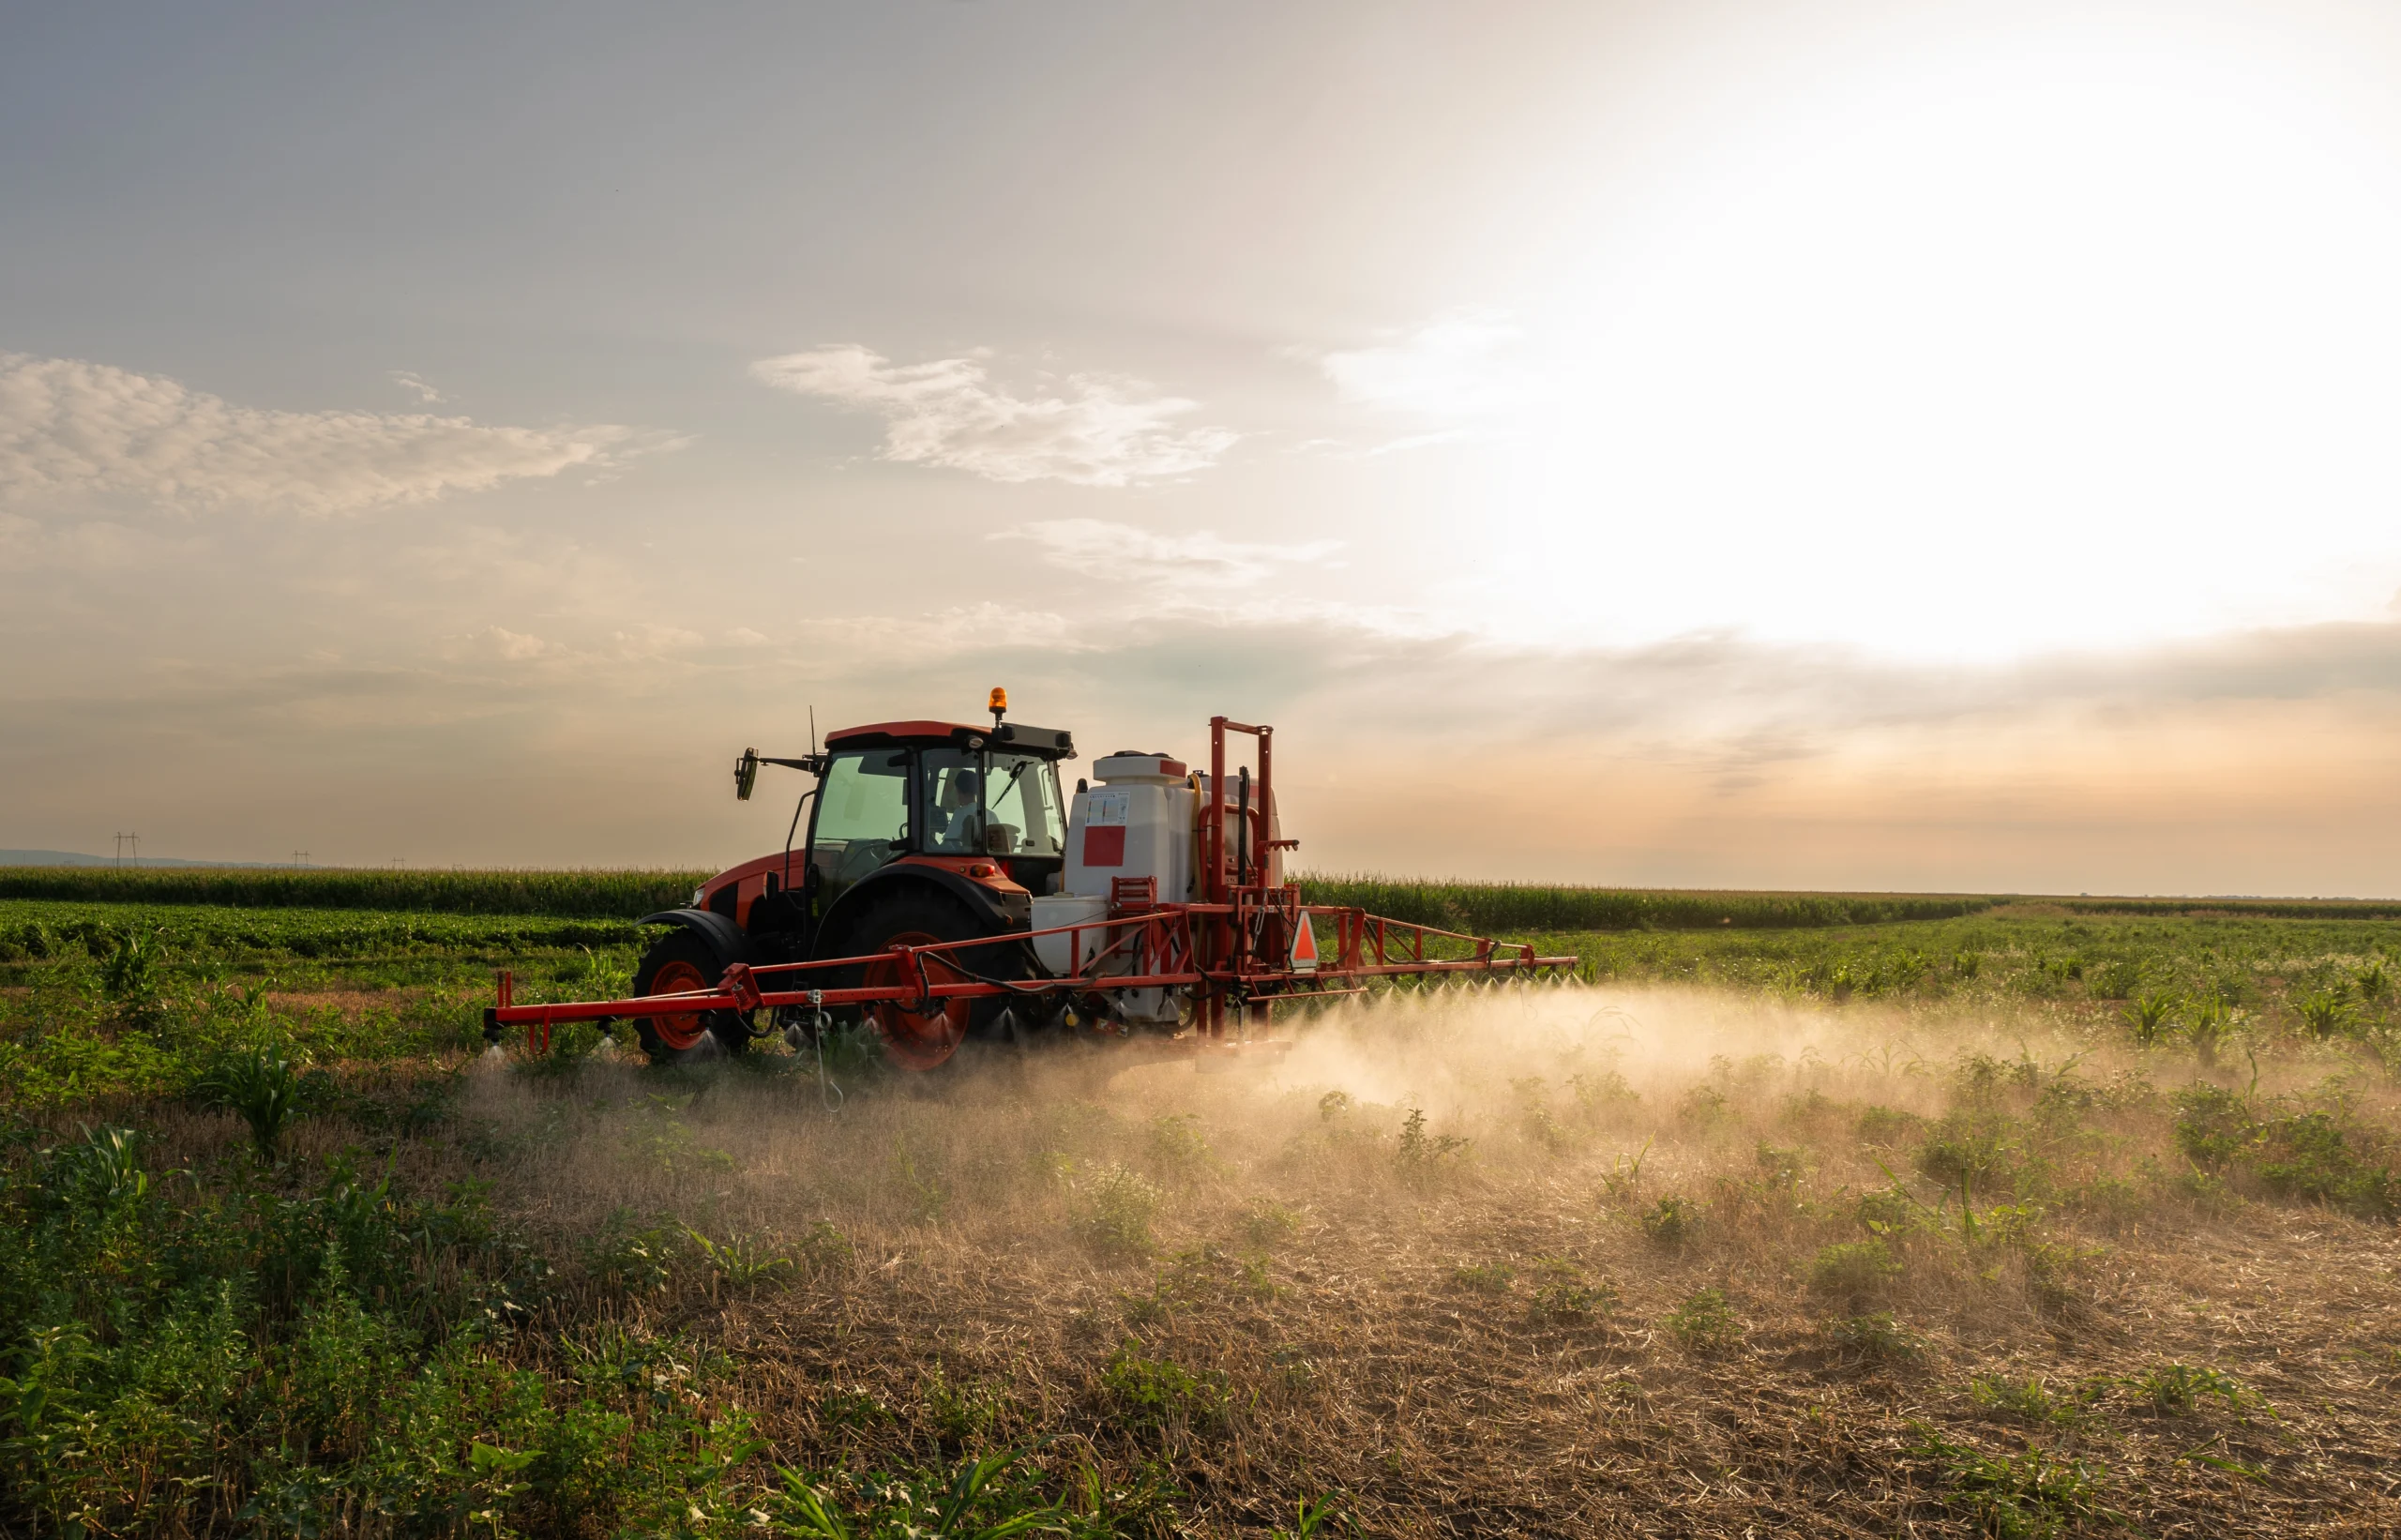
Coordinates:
[1853,445]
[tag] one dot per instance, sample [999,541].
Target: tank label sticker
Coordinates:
[1107,807]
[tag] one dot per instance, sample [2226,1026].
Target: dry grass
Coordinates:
[1275,1285]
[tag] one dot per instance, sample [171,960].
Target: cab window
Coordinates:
[1021,802]
[862,814]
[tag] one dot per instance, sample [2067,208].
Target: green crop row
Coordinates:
[1475,906]
[596,893]
[629,895]
[2262,909]
[2257,964]
[1486,907]
[40,933]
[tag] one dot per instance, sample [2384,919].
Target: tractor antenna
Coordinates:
[812,729]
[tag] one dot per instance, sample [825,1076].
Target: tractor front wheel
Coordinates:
[678,963]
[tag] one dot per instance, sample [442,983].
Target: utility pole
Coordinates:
[299,858]
[123,840]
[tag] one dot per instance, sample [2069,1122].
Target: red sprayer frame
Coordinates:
[1233,947]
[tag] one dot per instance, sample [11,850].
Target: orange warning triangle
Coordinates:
[1304,947]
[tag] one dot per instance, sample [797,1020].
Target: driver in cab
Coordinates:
[961,831]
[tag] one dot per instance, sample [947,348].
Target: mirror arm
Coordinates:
[746,769]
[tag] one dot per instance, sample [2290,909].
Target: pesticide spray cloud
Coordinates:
[1000,1151]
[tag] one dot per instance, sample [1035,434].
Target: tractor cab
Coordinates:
[971,808]
[980,801]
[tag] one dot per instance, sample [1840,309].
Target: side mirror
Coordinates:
[745,774]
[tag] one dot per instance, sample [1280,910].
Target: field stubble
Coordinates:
[1573,1261]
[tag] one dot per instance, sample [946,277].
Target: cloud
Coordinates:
[71,430]
[1121,552]
[1454,369]
[1097,431]
[516,647]
[408,380]
[656,639]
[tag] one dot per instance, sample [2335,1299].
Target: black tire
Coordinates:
[683,959]
[916,915]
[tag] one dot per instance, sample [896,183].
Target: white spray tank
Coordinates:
[1136,823]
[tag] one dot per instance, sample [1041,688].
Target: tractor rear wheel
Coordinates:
[678,961]
[918,1039]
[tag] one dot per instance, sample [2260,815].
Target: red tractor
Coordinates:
[947,889]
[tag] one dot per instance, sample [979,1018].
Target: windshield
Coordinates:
[979,804]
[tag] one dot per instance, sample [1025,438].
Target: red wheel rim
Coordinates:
[677,1032]
[916,1039]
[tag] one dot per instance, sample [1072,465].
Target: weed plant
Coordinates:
[2032,1495]
[1877,1337]
[262,1086]
[1705,1322]
[1112,1210]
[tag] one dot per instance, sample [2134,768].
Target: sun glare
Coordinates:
[2058,340]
